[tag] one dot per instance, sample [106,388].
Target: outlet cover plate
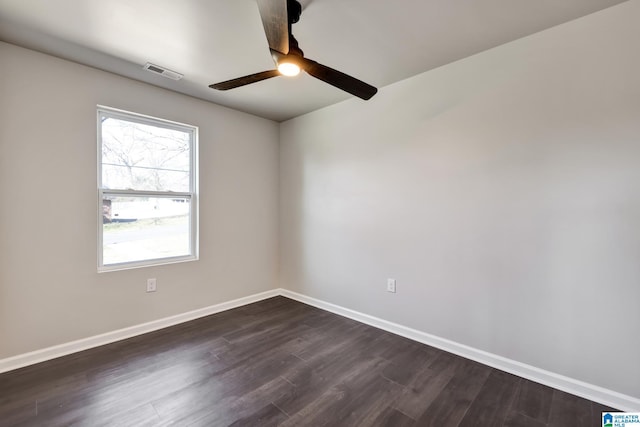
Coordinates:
[391,285]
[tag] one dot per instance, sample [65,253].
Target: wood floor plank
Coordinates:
[449,408]
[103,398]
[493,403]
[278,362]
[276,337]
[354,402]
[534,400]
[142,416]
[391,417]
[310,383]
[407,361]
[516,419]
[241,379]
[15,413]
[240,407]
[335,339]
[427,385]
[569,411]
[267,416]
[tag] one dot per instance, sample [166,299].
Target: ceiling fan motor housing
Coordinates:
[294,10]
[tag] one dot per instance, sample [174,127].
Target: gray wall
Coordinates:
[501,191]
[50,292]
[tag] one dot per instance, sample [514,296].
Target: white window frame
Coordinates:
[192,195]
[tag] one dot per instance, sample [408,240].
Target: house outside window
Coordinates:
[147,195]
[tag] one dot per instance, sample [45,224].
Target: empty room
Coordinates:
[320,213]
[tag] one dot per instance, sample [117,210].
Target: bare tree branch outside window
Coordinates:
[137,156]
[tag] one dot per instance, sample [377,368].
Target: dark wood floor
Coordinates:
[278,362]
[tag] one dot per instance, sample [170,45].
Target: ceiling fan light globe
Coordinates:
[289,69]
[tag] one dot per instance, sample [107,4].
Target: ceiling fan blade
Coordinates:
[339,79]
[242,81]
[276,23]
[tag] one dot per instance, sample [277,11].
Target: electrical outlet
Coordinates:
[391,285]
[151,285]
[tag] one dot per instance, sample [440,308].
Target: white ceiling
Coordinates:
[378,41]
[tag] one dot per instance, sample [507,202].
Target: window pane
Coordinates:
[143,228]
[138,156]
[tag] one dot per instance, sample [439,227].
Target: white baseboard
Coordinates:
[560,382]
[49,353]
[588,391]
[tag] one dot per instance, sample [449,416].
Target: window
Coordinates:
[146,191]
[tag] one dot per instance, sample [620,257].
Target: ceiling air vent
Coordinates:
[162,71]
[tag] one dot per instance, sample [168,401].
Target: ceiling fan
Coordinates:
[277,18]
